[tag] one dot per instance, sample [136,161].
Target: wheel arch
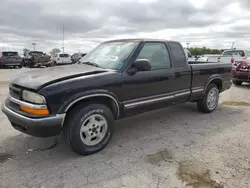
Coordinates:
[102,97]
[214,79]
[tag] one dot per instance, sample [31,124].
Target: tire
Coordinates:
[81,117]
[30,64]
[237,83]
[23,63]
[206,106]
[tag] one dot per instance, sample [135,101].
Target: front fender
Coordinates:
[89,94]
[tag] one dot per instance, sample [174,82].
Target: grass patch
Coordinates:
[236,103]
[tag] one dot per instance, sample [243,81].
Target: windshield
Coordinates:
[111,55]
[10,53]
[64,55]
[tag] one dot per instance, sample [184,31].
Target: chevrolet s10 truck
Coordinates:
[118,78]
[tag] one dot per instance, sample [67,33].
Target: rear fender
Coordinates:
[217,79]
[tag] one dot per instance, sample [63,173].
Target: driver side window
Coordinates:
[157,54]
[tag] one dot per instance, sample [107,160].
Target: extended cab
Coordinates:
[116,79]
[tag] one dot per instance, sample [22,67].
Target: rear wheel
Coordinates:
[30,64]
[209,102]
[237,83]
[89,129]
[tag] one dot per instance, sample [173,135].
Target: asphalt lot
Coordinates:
[175,147]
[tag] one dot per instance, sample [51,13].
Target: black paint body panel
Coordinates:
[62,85]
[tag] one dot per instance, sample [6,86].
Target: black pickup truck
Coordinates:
[116,79]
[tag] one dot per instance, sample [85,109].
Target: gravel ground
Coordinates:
[175,147]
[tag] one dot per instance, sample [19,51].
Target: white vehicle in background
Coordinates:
[210,57]
[61,59]
[189,55]
[232,55]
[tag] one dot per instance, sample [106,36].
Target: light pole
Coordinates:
[34,45]
[188,44]
[232,47]
[63,40]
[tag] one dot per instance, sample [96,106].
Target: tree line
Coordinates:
[54,51]
[204,50]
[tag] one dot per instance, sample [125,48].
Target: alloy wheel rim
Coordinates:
[212,98]
[93,129]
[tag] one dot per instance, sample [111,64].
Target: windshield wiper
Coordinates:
[89,63]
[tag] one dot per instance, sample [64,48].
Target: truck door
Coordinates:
[150,88]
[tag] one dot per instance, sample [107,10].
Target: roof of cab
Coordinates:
[139,40]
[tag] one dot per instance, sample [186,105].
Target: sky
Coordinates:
[87,23]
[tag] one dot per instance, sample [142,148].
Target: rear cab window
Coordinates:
[35,53]
[234,53]
[64,55]
[8,54]
[178,55]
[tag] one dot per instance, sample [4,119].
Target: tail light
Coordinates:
[232,60]
[2,58]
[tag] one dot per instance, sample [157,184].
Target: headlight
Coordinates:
[33,97]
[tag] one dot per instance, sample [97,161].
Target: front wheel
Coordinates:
[209,102]
[237,83]
[89,129]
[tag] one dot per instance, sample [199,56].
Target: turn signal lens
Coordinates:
[33,111]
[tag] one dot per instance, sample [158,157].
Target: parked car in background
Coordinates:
[232,55]
[210,57]
[36,59]
[61,59]
[77,56]
[10,58]
[116,79]
[241,72]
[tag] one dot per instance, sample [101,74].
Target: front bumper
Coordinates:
[243,76]
[40,127]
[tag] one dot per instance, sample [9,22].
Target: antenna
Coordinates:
[63,39]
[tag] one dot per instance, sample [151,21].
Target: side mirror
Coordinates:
[142,65]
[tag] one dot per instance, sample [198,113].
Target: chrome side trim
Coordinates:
[131,105]
[95,95]
[30,105]
[182,94]
[197,90]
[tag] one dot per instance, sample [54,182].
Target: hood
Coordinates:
[37,79]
